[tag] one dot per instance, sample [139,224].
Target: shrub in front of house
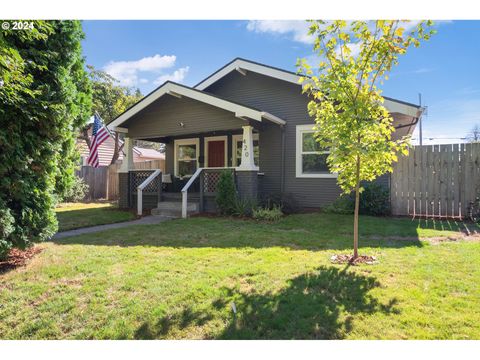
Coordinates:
[374,201]
[77,192]
[285,201]
[267,214]
[226,197]
[344,204]
[227,200]
[244,207]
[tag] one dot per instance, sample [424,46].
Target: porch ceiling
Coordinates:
[404,124]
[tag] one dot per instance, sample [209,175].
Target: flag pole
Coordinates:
[103,122]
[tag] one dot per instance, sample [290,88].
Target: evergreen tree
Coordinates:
[45,97]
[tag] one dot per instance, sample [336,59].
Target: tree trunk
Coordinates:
[116,150]
[84,136]
[357,207]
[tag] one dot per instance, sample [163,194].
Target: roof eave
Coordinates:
[249,66]
[177,90]
[239,110]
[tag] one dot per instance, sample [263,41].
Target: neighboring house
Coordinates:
[248,116]
[106,149]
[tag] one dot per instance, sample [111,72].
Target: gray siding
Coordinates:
[286,101]
[162,118]
[270,146]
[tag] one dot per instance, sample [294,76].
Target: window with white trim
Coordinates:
[237,141]
[311,159]
[186,157]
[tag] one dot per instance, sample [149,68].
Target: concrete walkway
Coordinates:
[147,220]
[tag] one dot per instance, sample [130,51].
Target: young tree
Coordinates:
[44,98]
[346,102]
[109,100]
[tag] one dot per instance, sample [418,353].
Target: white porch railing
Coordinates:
[142,186]
[185,191]
[197,174]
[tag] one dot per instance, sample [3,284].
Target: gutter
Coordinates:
[414,122]
[272,118]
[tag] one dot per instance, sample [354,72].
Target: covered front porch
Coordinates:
[193,166]
[203,135]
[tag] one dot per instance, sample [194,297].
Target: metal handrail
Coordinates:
[190,182]
[142,186]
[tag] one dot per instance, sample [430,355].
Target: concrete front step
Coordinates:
[169,196]
[174,208]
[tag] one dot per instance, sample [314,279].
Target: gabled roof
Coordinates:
[150,153]
[240,64]
[243,65]
[240,110]
[177,90]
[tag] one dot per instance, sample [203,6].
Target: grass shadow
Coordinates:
[318,305]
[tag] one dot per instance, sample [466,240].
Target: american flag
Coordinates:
[99,135]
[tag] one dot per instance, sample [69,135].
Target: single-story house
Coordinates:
[106,149]
[246,116]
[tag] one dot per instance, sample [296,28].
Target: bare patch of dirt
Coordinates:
[349,259]
[17,258]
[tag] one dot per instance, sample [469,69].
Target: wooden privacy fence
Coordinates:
[436,181]
[96,178]
[103,181]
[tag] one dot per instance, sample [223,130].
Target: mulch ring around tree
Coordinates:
[17,258]
[348,259]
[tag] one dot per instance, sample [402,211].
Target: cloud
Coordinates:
[126,72]
[355,48]
[177,76]
[296,29]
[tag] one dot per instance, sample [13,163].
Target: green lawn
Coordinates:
[178,279]
[77,215]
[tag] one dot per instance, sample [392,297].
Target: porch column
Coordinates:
[248,162]
[247,172]
[123,176]
[127,163]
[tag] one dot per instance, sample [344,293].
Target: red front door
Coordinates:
[216,153]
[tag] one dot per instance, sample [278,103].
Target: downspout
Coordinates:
[282,165]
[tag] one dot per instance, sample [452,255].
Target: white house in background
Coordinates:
[105,152]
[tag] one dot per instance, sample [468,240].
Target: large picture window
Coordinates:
[311,159]
[237,149]
[186,157]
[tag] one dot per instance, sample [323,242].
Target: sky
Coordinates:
[144,54]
